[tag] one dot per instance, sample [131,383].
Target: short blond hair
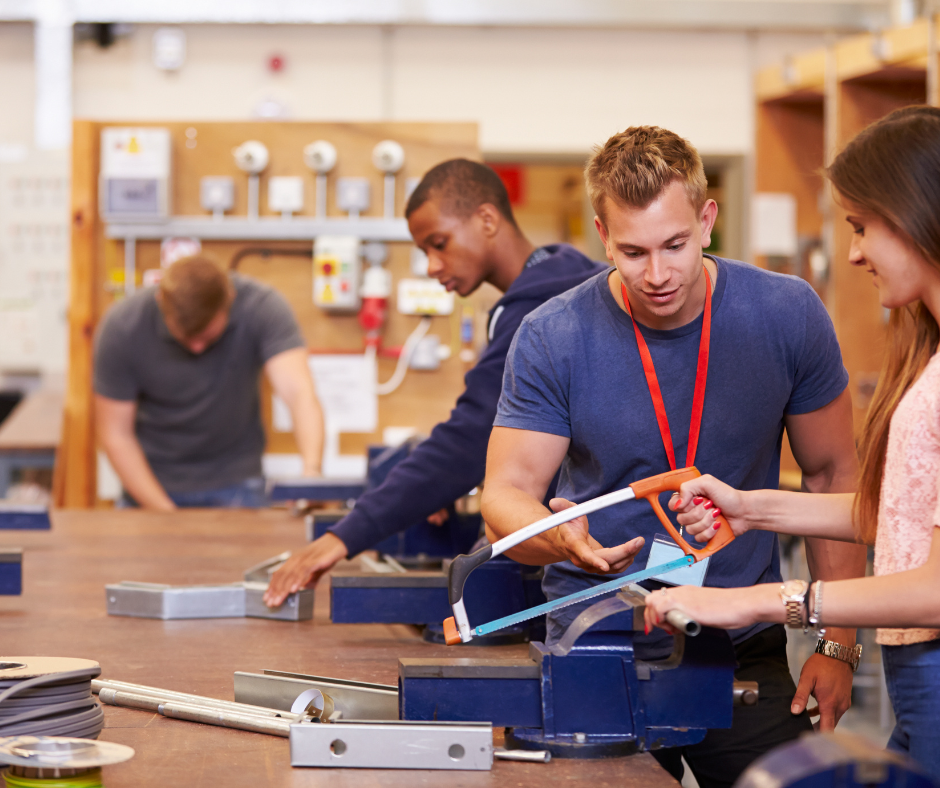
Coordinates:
[635,166]
[193,291]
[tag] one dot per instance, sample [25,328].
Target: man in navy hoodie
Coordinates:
[461,217]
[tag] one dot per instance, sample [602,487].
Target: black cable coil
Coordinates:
[58,704]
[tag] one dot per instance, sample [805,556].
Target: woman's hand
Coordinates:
[701,500]
[725,608]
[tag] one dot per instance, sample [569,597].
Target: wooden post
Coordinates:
[75,482]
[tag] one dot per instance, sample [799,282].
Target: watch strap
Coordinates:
[851,655]
[794,615]
[793,603]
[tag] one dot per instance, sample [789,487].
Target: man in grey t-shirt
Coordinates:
[176,387]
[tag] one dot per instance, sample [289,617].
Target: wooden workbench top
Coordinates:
[35,424]
[62,613]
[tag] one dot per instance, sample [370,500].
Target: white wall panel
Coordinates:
[331,73]
[564,91]
[17,83]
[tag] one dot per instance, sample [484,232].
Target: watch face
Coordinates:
[793,587]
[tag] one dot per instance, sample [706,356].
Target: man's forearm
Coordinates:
[507,509]
[129,462]
[308,432]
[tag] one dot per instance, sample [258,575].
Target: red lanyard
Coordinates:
[701,375]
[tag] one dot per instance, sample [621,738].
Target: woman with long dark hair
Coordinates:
[888,181]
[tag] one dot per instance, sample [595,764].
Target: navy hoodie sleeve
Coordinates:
[447,465]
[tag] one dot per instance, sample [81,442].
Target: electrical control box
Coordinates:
[285,194]
[424,297]
[337,264]
[353,195]
[135,174]
[217,194]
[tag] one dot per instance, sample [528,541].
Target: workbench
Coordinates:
[30,435]
[62,613]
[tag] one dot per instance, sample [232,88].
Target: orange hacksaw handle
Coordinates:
[671,480]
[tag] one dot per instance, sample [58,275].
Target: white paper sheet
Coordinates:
[775,224]
[346,387]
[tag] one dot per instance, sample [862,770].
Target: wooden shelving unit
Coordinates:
[807,109]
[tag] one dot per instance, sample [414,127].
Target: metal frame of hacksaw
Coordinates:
[650,488]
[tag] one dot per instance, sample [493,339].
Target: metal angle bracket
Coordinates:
[357,700]
[261,572]
[230,600]
[354,744]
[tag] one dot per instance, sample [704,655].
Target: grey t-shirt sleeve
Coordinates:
[820,374]
[275,325]
[114,374]
[534,390]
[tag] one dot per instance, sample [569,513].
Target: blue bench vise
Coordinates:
[587,696]
[421,545]
[498,588]
[316,489]
[11,571]
[24,517]
[381,460]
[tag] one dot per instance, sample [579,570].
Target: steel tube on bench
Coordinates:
[227,719]
[211,715]
[130,691]
[131,700]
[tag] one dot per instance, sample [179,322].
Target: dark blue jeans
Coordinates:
[912,674]
[248,494]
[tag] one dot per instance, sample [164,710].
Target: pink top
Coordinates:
[908,511]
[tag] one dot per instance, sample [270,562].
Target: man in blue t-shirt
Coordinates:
[578,396]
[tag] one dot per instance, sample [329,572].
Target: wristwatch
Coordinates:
[850,654]
[793,593]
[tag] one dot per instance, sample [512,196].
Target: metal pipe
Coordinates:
[321,195]
[210,715]
[156,693]
[132,700]
[530,756]
[254,188]
[389,207]
[683,623]
[226,719]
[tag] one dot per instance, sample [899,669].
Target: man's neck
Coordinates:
[508,259]
[690,311]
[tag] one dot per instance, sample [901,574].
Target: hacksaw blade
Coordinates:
[580,596]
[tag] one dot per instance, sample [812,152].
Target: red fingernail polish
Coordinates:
[716,513]
[708,505]
[697,500]
[717,526]
[646,628]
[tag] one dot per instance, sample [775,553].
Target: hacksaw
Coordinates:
[457,629]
